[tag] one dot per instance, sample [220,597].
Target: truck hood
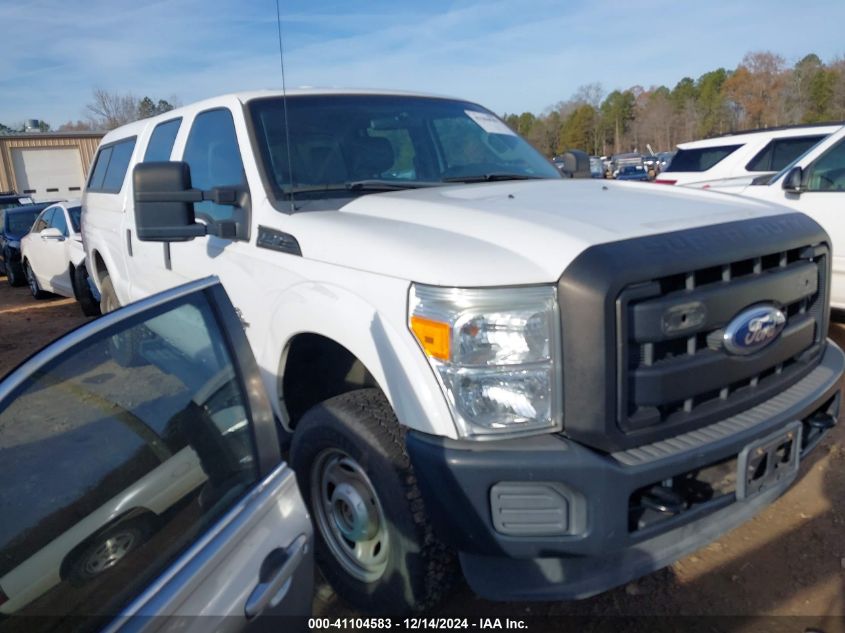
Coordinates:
[509,233]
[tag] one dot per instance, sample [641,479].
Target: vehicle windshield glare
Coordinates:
[386,142]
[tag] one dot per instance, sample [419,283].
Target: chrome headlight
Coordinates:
[495,352]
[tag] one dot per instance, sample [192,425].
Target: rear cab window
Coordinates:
[161,141]
[700,158]
[110,166]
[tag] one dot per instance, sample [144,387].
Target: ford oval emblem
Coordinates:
[753,329]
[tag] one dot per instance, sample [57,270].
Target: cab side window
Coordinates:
[213,155]
[828,172]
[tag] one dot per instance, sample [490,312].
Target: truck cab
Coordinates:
[554,385]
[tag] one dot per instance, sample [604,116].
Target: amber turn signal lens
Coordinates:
[433,336]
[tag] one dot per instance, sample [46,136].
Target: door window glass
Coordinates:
[161,141]
[214,158]
[828,172]
[75,218]
[58,221]
[117,455]
[43,220]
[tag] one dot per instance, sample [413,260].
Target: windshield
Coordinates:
[75,218]
[355,143]
[20,222]
[8,203]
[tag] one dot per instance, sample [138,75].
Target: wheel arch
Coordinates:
[374,350]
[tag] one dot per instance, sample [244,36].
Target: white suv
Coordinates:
[471,355]
[815,184]
[732,161]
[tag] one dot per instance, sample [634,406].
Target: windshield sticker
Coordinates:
[489,123]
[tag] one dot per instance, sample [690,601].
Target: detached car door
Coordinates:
[142,479]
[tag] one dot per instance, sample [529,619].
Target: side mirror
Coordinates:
[576,164]
[793,182]
[164,202]
[52,233]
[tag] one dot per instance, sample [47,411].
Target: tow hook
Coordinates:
[821,421]
[663,500]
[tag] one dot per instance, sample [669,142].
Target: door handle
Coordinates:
[276,570]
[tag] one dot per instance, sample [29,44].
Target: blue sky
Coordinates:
[510,55]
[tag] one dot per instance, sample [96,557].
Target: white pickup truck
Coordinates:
[560,385]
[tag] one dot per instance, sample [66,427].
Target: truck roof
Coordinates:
[136,127]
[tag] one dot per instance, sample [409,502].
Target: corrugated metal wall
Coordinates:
[87,144]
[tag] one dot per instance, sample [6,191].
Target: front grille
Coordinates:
[672,369]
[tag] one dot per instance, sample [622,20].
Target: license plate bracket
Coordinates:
[768,461]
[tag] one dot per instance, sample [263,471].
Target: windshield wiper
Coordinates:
[492,177]
[361,185]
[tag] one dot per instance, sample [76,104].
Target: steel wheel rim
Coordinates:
[109,553]
[349,515]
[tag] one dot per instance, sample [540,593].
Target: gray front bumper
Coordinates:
[456,478]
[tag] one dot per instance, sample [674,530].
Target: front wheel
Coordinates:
[14,274]
[32,281]
[375,544]
[106,551]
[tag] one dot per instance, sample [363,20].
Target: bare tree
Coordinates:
[109,110]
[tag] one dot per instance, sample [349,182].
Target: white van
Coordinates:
[478,361]
[731,162]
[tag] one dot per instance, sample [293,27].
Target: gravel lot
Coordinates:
[788,561]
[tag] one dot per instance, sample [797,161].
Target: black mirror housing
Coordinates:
[164,202]
[576,164]
[793,182]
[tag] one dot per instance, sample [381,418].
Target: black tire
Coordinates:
[417,568]
[90,306]
[14,273]
[32,282]
[124,346]
[106,550]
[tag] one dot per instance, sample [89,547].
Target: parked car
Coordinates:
[15,222]
[632,172]
[650,164]
[12,199]
[732,161]
[568,383]
[596,167]
[150,488]
[52,257]
[618,161]
[814,184]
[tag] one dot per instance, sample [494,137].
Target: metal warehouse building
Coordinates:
[47,165]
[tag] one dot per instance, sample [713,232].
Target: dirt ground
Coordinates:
[788,561]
